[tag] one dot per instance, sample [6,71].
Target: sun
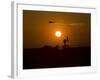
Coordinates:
[58,34]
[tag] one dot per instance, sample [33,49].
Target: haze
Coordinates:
[39,28]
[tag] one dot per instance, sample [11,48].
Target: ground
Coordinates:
[48,57]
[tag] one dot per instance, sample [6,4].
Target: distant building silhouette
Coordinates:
[58,47]
[66,43]
[47,47]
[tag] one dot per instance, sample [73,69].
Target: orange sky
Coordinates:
[37,31]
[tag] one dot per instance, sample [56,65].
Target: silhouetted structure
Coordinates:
[66,43]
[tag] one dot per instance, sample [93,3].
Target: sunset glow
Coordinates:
[54,39]
[58,34]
